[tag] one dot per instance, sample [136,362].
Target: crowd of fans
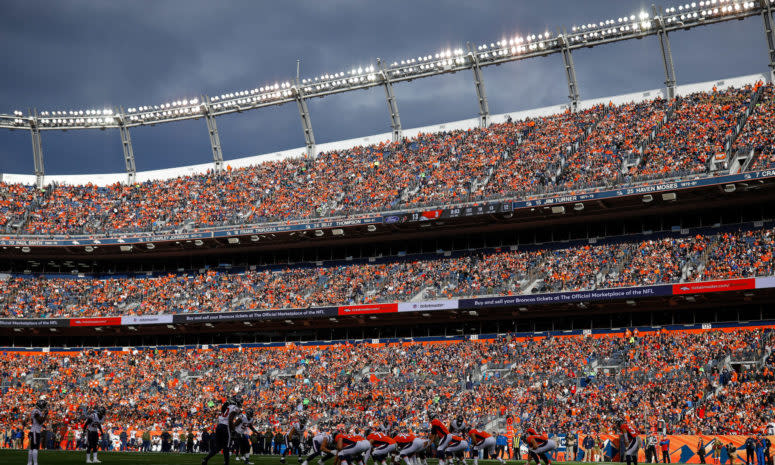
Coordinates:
[567,151]
[758,135]
[600,158]
[697,131]
[672,259]
[672,381]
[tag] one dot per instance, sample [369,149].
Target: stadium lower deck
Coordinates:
[696,381]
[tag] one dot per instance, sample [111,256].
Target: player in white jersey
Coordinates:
[244,424]
[38,418]
[293,438]
[458,426]
[225,423]
[322,445]
[93,429]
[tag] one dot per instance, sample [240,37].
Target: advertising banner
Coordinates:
[561,297]
[281,314]
[33,323]
[429,305]
[109,321]
[714,286]
[368,309]
[146,319]
[765,283]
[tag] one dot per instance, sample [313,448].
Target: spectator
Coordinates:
[664,445]
[587,445]
[571,441]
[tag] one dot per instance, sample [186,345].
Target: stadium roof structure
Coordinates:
[473,57]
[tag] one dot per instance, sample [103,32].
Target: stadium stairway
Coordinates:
[636,156]
[579,142]
[725,164]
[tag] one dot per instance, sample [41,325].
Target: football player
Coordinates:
[93,429]
[351,447]
[631,442]
[225,424]
[293,438]
[411,448]
[242,423]
[539,445]
[485,442]
[38,418]
[381,446]
[323,446]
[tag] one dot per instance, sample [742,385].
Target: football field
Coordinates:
[46,457]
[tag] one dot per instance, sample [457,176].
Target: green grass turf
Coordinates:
[46,457]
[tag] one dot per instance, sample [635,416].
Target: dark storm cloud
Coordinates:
[82,54]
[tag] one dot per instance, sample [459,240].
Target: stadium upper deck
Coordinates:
[603,146]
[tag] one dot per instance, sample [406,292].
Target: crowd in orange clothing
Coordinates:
[736,254]
[567,151]
[758,134]
[697,131]
[681,379]
[599,160]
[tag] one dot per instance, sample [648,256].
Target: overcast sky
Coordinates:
[78,54]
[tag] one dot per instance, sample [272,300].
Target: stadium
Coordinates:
[591,281]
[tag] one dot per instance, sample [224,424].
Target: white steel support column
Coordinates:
[481,94]
[126,145]
[395,119]
[570,74]
[769,34]
[306,123]
[37,151]
[215,139]
[667,55]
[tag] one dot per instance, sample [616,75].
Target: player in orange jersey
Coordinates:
[539,445]
[381,446]
[485,442]
[351,448]
[631,442]
[411,449]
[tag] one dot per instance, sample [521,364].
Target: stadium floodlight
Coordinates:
[669,196]
[448,60]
